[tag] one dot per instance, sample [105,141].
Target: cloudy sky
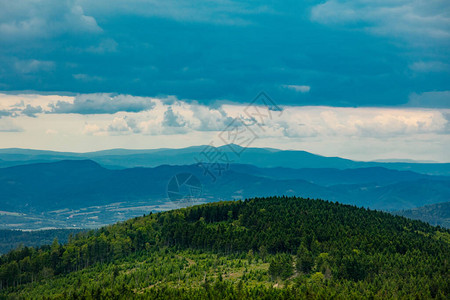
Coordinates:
[359,79]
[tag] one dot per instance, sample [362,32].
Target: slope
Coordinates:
[434,214]
[37,188]
[242,249]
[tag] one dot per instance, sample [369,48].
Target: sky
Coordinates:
[358,79]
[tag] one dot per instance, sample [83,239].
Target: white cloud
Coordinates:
[166,118]
[19,102]
[205,118]
[93,129]
[298,88]
[28,20]
[87,78]
[229,12]
[8,125]
[33,66]
[31,111]
[417,21]
[362,133]
[7,113]
[106,45]
[430,66]
[172,119]
[324,122]
[51,131]
[121,125]
[11,106]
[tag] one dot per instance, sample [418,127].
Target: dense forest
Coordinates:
[265,248]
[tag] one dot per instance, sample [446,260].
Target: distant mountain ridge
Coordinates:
[260,157]
[10,239]
[330,176]
[434,214]
[98,188]
[77,183]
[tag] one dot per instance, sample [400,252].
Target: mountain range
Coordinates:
[75,184]
[260,157]
[44,189]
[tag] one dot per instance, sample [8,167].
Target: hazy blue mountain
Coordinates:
[434,214]
[42,187]
[330,176]
[12,163]
[260,157]
[10,239]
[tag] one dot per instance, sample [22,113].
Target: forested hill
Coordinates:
[258,248]
[435,214]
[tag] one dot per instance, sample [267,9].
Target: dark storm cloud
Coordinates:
[103,104]
[430,100]
[230,50]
